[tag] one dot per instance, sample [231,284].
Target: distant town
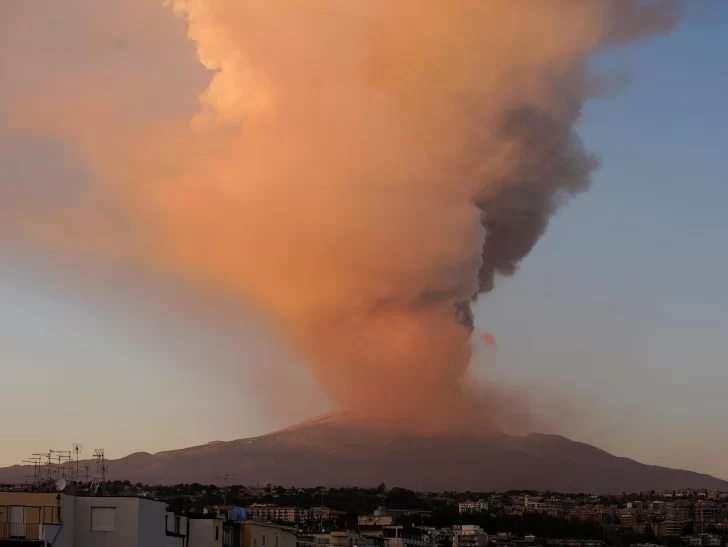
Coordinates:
[55,513]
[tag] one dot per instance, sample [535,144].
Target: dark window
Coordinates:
[217,533]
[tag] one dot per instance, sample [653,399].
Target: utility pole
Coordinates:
[224,491]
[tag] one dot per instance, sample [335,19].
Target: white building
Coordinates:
[82,521]
[262,512]
[472,506]
[468,535]
[205,532]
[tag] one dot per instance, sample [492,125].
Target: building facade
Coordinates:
[82,521]
[472,506]
[468,535]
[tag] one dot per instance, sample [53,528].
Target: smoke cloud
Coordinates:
[358,172]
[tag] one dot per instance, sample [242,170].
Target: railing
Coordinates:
[23,522]
[19,530]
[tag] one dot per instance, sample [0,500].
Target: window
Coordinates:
[276,541]
[217,533]
[263,541]
[103,519]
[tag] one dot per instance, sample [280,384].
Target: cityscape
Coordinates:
[363,273]
[267,515]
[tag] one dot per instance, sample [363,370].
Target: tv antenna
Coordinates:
[100,477]
[77,449]
[225,488]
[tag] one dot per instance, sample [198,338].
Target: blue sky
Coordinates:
[614,326]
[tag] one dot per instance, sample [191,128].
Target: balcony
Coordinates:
[24,525]
[19,530]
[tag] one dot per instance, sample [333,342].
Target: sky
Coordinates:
[613,327]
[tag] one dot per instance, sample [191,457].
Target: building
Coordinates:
[177,529]
[701,540]
[397,536]
[258,534]
[81,521]
[669,528]
[681,511]
[575,542]
[206,531]
[378,519]
[593,513]
[628,519]
[706,514]
[472,506]
[657,508]
[468,535]
[274,513]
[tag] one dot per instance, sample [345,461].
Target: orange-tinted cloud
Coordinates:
[358,171]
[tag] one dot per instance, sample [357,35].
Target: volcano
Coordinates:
[328,451]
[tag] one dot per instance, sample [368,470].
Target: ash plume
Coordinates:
[359,172]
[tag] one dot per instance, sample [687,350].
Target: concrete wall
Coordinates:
[256,534]
[126,530]
[152,530]
[203,533]
[66,536]
[139,522]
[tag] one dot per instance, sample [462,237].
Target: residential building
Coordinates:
[656,508]
[628,519]
[472,506]
[681,511]
[177,527]
[702,540]
[710,540]
[258,534]
[593,513]
[575,543]
[669,528]
[320,513]
[468,535]
[82,521]
[205,531]
[706,514]
[397,536]
[336,539]
[275,513]
[377,519]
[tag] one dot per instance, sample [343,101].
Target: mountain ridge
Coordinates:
[328,450]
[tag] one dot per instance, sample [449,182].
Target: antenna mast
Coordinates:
[100,477]
[77,448]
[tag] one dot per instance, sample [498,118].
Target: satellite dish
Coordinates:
[61,485]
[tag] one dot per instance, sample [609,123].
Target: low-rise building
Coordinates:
[668,528]
[263,512]
[472,506]
[575,542]
[468,535]
[82,521]
[258,534]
